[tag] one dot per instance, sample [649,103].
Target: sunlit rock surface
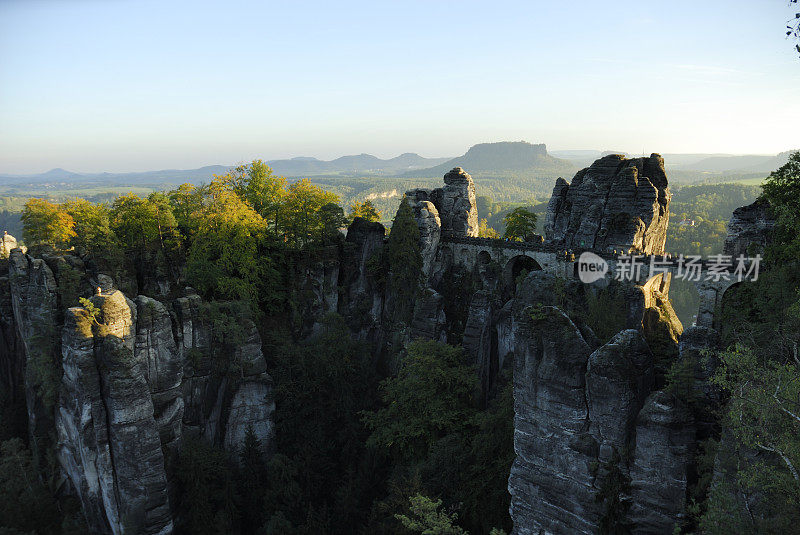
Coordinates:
[616,203]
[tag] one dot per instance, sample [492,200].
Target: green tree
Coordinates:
[403,259]
[485,231]
[321,386]
[301,207]
[365,210]
[225,260]
[427,519]
[331,219]
[25,503]
[251,481]
[92,225]
[430,397]
[46,223]
[782,191]
[520,224]
[140,223]
[258,185]
[187,204]
[207,494]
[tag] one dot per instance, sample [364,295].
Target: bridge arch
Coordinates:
[484,258]
[515,266]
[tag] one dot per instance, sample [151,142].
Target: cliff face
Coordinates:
[749,230]
[113,391]
[614,203]
[588,420]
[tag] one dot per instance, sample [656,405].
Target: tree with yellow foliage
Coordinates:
[365,210]
[46,223]
[301,207]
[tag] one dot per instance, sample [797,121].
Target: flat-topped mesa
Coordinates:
[616,203]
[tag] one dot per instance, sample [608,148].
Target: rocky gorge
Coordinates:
[602,443]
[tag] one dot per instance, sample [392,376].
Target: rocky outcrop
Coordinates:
[225,385]
[615,203]
[428,319]
[7,243]
[450,211]
[551,482]
[430,227]
[664,450]
[109,445]
[156,349]
[34,299]
[459,208]
[749,230]
[360,300]
[587,422]
[135,381]
[619,376]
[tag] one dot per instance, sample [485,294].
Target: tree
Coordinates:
[403,259]
[256,184]
[782,191]
[225,259]
[207,495]
[331,219]
[485,231]
[430,397]
[365,210]
[139,223]
[793,26]
[251,481]
[187,203]
[25,503]
[92,224]
[300,208]
[428,520]
[520,224]
[46,223]
[321,386]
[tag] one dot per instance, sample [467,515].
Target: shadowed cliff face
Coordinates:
[113,389]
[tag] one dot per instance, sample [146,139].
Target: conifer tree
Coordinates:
[404,261]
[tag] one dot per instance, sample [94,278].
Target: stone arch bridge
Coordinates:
[515,256]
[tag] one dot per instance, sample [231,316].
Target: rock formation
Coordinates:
[109,445]
[615,203]
[112,391]
[452,208]
[749,230]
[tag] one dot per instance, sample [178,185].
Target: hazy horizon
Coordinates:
[135,86]
[387,156]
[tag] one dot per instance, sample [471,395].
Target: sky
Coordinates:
[117,85]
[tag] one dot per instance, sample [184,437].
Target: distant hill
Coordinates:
[361,164]
[491,160]
[164,176]
[747,163]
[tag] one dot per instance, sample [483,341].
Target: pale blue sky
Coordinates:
[93,85]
